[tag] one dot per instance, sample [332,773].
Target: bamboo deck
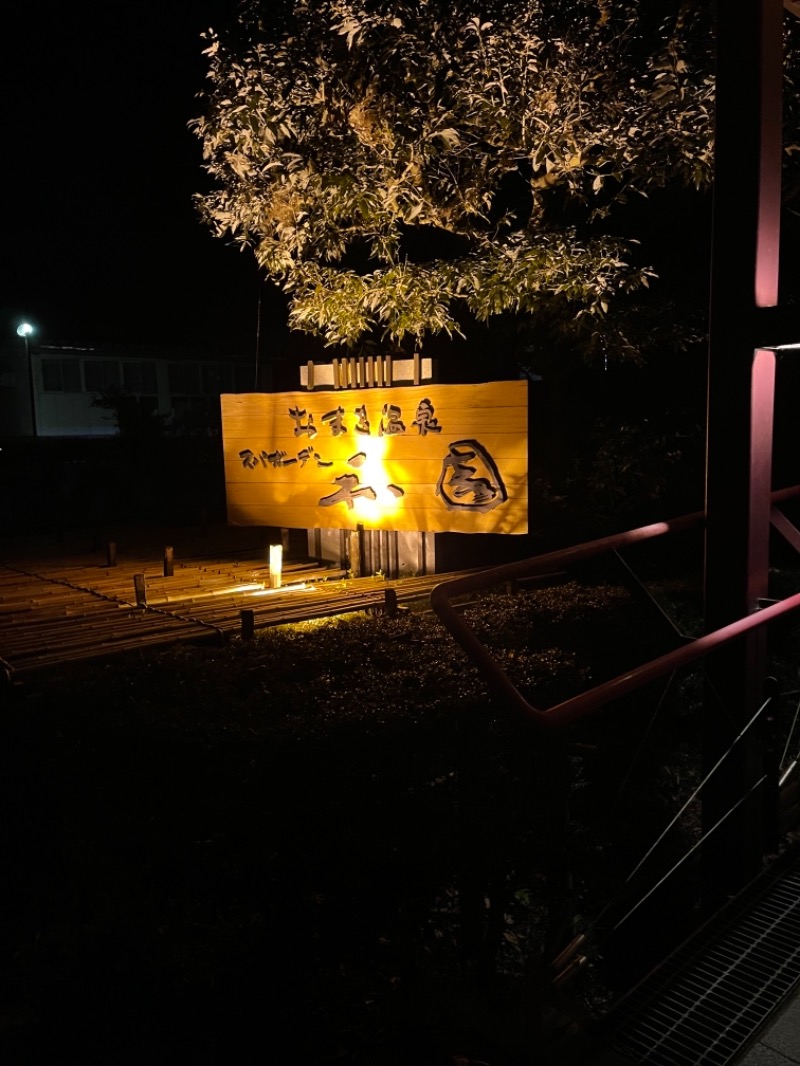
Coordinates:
[57,608]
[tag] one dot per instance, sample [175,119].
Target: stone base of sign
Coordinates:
[379,551]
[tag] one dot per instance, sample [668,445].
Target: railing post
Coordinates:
[741,361]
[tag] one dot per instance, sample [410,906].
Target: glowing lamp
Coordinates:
[26,331]
[275,565]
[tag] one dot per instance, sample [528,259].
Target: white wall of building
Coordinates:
[66,381]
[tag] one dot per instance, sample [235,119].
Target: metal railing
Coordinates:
[585,704]
[591,701]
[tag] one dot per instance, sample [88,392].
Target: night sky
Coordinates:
[101,239]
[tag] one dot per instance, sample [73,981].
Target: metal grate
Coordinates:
[716,993]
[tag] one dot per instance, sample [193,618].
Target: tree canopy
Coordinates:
[404,168]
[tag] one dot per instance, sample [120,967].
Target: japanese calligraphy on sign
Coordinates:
[431,458]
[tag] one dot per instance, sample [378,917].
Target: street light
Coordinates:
[26,331]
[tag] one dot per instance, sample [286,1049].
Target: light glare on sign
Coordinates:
[430,458]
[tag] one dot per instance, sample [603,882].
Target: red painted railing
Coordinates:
[591,701]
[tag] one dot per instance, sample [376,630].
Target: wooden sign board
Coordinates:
[430,458]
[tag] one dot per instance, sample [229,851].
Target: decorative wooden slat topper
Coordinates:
[431,458]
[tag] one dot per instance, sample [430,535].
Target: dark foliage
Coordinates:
[324,846]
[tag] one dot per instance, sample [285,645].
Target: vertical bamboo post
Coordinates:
[140,590]
[247,618]
[354,550]
[390,603]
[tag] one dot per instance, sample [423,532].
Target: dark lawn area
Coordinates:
[328,845]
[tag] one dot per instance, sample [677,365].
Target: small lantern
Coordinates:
[275,565]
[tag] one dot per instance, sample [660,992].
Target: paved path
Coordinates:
[778,1043]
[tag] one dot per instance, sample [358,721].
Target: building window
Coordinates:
[217,378]
[140,378]
[184,379]
[61,375]
[190,406]
[200,379]
[101,375]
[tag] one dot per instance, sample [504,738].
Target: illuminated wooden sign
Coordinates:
[431,458]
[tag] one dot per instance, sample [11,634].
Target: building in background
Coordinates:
[48,391]
[95,436]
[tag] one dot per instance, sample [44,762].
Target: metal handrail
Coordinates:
[591,701]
